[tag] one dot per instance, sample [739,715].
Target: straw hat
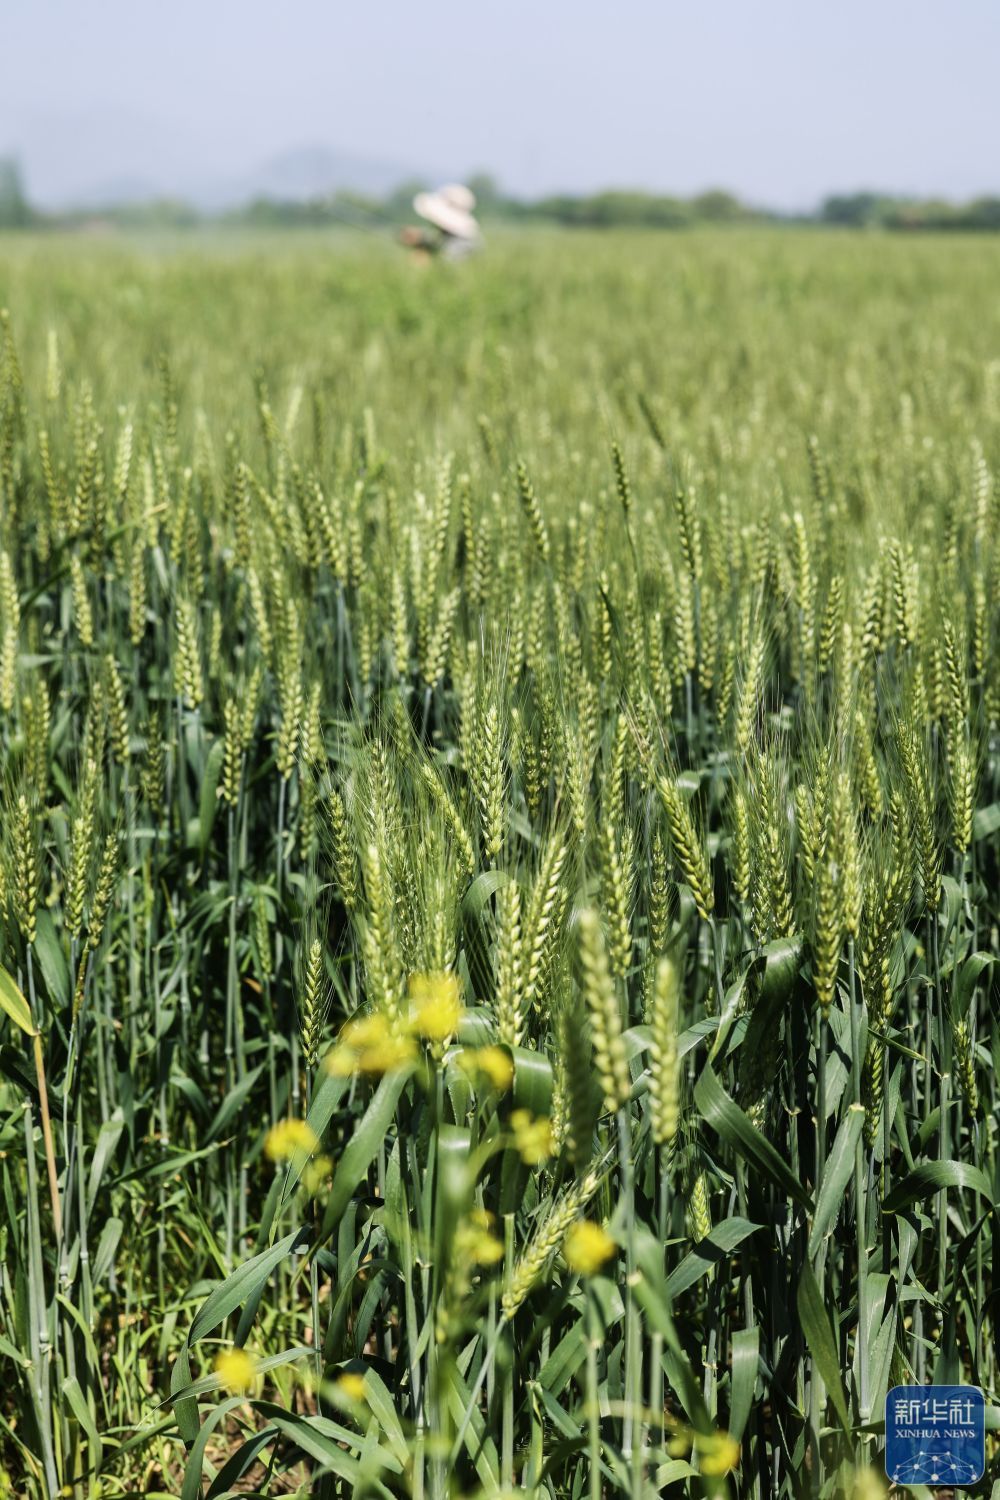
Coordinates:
[450,209]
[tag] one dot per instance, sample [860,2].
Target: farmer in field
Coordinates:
[452,229]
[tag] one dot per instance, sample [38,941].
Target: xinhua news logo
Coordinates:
[935,1434]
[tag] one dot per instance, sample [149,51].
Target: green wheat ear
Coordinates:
[188,678]
[489,777]
[603,1009]
[543,919]
[615,899]
[622,483]
[344,854]
[510,998]
[26,866]
[118,730]
[663,1072]
[311,1008]
[659,895]
[104,890]
[828,931]
[699,1208]
[532,511]
[687,847]
[81,602]
[546,1241]
[36,709]
[154,767]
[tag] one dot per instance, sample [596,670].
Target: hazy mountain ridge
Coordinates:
[107,158]
[313,171]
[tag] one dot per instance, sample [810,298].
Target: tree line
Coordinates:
[612,208]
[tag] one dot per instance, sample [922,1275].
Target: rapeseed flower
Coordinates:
[718,1452]
[532,1136]
[290,1138]
[475,1240]
[369,1045]
[315,1174]
[351,1386]
[237,1371]
[492,1063]
[435,1006]
[587,1247]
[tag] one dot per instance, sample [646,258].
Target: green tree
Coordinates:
[15,211]
[717,205]
[859,210]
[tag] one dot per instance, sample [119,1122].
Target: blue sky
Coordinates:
[782,102]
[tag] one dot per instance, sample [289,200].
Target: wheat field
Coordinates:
[500,851]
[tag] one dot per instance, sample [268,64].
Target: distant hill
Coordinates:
[108,157]
[307,172]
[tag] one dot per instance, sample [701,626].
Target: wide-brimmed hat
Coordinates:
[450,209]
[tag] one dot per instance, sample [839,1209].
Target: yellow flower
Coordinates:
[717,1453]
[532,1136]
[290,1138]
[341,1061]
[351,1386]
[492,1062]
[237,1371]
[367,1031]
[435,1005]
[587,1247]
[387,1056]
[368,1045]
[316,1173]
[475,1240]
